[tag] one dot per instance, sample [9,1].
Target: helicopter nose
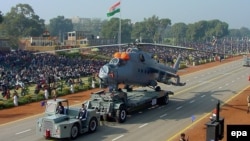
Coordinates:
[103,73]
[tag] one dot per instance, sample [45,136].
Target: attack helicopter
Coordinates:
[137,67]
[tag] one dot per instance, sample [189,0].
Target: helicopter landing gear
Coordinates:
[128,88]
[157,88]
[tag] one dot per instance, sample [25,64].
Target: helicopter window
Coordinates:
[128,50]
[114,61]
[142,59]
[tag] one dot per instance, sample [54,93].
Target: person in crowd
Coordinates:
[15,99]
[46,93]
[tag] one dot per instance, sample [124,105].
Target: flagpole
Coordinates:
[120,28]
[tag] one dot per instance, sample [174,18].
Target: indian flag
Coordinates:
[114,9]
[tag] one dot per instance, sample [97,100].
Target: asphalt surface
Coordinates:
[160,123]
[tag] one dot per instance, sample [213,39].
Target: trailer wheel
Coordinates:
[121,115]
[157,88]
[164,100]
[92,125]
[74,131]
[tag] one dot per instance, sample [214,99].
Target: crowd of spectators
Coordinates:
[22,67]
[26,67]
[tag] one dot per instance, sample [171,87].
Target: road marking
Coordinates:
[143,125]
[205,115]
[178,108]
[23,131]
[203,96]
[163,115]
[117,138]
[213,79]
[192,101]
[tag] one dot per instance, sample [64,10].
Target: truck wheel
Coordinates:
[121,115]
[74,131]
[92,125]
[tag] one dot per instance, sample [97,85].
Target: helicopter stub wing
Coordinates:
[165,76]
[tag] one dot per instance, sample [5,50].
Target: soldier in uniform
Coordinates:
[82,115]
[183,138]
[248,103]
[60,108]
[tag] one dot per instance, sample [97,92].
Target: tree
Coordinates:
[1,17]
[151,29]
[22,21]
[59,25]
[110,29]
[244,31]
[178,31]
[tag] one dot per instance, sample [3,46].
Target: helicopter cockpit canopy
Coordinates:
[132,50]
[114,61]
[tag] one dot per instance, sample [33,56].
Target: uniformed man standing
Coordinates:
[248,103]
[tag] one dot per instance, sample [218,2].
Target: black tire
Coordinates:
[121,115]
[157,88]
[74,131]
[92,125]
[164,100]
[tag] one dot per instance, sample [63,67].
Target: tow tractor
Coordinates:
[66,125]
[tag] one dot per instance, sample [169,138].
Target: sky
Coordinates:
[234,12]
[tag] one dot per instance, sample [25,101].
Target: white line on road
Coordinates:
[192,101]
[178,108]
[163,115]
[23,131]
[117,138]
[203,95]
[143,125]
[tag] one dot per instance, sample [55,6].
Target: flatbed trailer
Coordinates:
[117,104]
